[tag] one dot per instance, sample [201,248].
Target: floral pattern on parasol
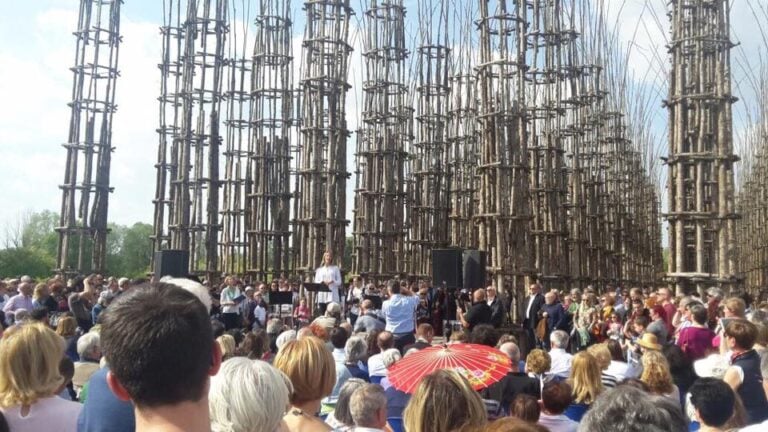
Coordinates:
[479,364]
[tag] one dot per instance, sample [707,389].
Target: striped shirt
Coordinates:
[609,381]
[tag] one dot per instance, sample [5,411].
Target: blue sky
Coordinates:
[37,48]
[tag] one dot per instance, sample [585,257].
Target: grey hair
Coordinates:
[87,343]
[341,412]
[629,409]
[390,356]
[355,349]
[366,402]
[559,339]
[196,288]
[715,292]
[511,350]
[575,291]
[275,326]
[243,384]
[284,338]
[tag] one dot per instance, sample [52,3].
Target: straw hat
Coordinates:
[713,366]
[649,341]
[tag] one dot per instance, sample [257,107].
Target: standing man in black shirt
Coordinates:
[479,313]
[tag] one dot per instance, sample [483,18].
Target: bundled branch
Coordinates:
[85,191]
[702,213]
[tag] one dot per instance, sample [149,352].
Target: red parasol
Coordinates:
[479,364]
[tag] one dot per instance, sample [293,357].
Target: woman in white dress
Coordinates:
[330,275]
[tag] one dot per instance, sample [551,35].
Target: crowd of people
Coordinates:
[94,354]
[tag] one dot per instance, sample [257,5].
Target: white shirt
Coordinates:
[557,423]
[339,355]
[229,294]
[47,414]
[618,369]
[561,362]
[332,274]
[260,314]
[355,293]
[530,303]
[376,366]
[762,427]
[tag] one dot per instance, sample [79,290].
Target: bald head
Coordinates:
[512,351]
[385,340]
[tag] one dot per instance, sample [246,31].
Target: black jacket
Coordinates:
[538,302]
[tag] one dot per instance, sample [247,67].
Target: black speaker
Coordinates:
[171,263]
[473,269]
[446,267]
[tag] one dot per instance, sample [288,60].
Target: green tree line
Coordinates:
[31,242]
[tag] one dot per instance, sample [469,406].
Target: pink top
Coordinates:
[45,415]
[695,341]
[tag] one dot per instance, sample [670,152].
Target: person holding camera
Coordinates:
[478,313]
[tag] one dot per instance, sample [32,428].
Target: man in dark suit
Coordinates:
[514,383]
[424,335]
[533,304]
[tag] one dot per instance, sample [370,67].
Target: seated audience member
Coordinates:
[509,424]
[67,328]
[284,338]
[560,359]
[424,335]
[102,411]
[484,334]
[339,338]
[89,351]
[30,381]
[713,402]
[696,339]
[586,382]
[397,400]
[629,409]
[255,345]
[458,336]
[603,357]
[356,354]
[227,346]
[516,382]
[164,370]
[525,407]
[39,314]
[368,407]
[312,371]
[388,358]
[340,419]
[744,375]
[555,398]
[427,413]
[376,369]
[368,319]
[537,365]
[331,317]
[248,395]
[658,377]
[619,367]
[681,369]
[67,371]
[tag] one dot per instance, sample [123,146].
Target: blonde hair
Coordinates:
[310,366]
[38,293]
[586,378]
[66,327]
[538,361]
[736,306]
[656,373]
[444,401]
[29,364]
[227,344]
[602,354]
